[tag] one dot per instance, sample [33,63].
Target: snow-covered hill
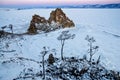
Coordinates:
[102,24]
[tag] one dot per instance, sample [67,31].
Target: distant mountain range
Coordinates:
[97,6]
[102,6]
[78,6]
[88,6]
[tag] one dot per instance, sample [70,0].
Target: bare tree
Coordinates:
[63,37]
[92,49]
[44,52]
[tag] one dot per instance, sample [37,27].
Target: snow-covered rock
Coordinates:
[60,17]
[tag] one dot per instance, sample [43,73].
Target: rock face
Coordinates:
[58,16]
[56,20]
[38,19]
[37,23]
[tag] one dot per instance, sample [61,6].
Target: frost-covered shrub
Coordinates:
[71,68]
[79,69]
[92,49]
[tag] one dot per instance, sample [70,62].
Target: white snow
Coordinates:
[102,24]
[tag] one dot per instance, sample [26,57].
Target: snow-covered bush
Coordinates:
[71,68]
[79,69]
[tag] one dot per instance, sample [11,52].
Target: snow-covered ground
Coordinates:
[102,24]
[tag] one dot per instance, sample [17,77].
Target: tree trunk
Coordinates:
[62,42]
[90,58]
[90,51]
[43,68]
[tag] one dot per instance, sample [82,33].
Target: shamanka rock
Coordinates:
[57,19]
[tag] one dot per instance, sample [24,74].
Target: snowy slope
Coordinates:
[102,24]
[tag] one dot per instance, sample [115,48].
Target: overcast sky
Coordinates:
[55,2]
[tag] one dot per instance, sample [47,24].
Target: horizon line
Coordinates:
[42,5]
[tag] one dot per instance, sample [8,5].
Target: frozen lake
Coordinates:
[103,24]
[106,17]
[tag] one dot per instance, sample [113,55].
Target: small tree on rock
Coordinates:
[92,49]
[65,35]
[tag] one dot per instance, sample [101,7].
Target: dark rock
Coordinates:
[51,59]
[1,33]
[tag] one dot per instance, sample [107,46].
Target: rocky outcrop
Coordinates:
[58,16]
[37,23]
[57,19]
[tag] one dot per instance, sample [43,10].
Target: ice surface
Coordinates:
[102,24]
